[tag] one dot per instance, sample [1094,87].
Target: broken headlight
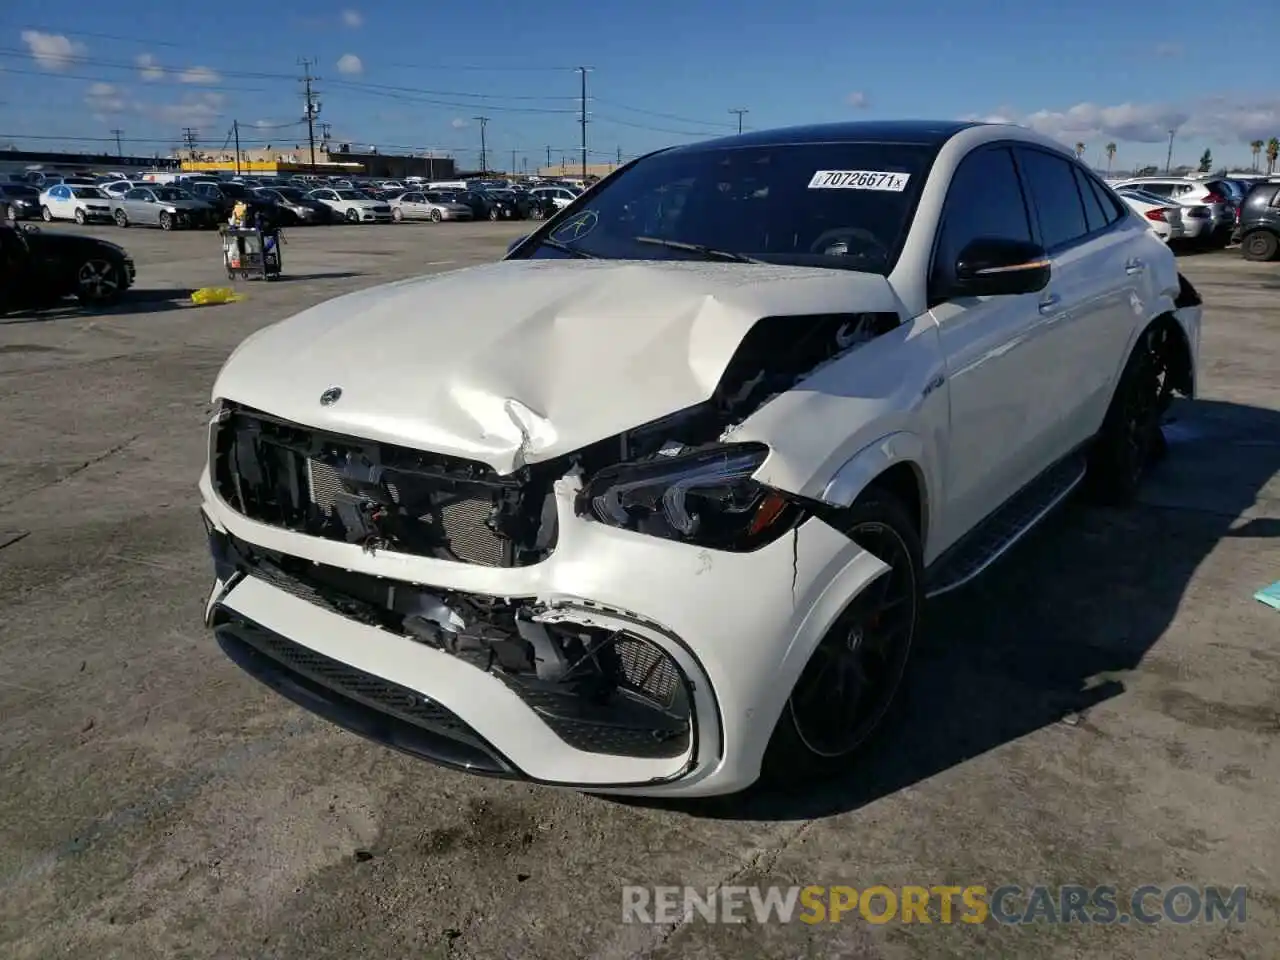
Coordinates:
[707,498]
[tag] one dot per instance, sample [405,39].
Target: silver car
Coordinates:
[163,207]
[427,206]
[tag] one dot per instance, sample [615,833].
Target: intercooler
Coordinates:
[463,523]
[341,488]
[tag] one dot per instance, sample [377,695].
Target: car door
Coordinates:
[995,361]
[414,206]
[1088,310]
[57,202]
[140,206]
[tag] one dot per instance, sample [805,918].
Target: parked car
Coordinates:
[81,204]
[654,504]
[415,205]
[115,189]
[503,205]
[537,206]
[1260,223]
[19,201]
[1163,217]
[1196,219]
[560,196]
[295,205]
[352,205]
[1207,193]
[168,208]
[222,197]
[38,269]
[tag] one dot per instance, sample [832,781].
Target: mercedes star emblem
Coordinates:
[330,396]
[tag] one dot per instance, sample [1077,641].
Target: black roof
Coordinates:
[932,133]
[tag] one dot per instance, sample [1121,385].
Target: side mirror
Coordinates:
[991,267]
[516,242]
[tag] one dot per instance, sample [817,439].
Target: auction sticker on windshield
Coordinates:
[859,180]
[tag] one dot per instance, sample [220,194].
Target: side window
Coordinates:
[984,200]
[1093,213]
[1110,206]
[1159,189]
[1057,201]
[136,195]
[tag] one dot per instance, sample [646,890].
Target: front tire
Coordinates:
[493,213]
[397,214]
[98,282]
[1131,439]
[122,219]
[353,215]
[1260,245]
[80,218]
[436,216]
[166,221]
[853,676]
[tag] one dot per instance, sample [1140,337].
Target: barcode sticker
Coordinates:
[859,180]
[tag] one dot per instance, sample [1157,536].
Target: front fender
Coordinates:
[874,459]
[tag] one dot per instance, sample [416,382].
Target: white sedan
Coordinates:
[1163,217]
[82,204]
[654,504]
[1195,220]
[353,205]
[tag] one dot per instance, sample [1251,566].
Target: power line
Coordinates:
[662,116]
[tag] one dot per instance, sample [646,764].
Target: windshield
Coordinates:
[350,195]
[290,194]
[235,191]
[171,193]
[89,193]
[837,205]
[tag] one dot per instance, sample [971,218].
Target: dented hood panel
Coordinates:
[525,360]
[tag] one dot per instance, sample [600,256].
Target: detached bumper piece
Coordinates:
[600,691]
[374,708]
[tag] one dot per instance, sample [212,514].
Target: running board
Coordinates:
[991,539]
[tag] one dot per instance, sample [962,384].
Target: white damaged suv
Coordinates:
[652,505]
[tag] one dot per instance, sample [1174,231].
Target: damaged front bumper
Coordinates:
[684,662]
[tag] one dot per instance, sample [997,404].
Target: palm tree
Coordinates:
[1255,147]
[1111,155]
[1273,150]
[1079,150]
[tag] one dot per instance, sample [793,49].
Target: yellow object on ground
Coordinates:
[211,295]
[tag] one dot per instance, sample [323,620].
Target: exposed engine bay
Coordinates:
[671,477]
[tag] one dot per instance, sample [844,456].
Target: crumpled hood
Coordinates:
[525,360]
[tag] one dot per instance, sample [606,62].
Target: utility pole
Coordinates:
[313,107]
[1168,160]
[484,157]
[326,134]
[513,163]
[582,119]
[548,155]
[190,136]
[119,149]
[235,128]
[739,111]
[619,156]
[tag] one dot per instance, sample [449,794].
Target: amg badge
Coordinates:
[330,396]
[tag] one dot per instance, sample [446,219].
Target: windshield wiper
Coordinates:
[565,248]
[709,252]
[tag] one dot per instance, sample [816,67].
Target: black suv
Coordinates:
[1259,228]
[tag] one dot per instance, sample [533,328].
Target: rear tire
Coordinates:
[851,682]
[99,282]
[436,216]
[1131,439]
[1260,245]
[46,215]
[122,219]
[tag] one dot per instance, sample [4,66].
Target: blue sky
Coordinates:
[415,75]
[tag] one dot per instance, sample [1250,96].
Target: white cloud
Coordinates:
[104,99]
[191,111]
[857,100]
[349,63]
[52,51]
[352,18]
[458,123]
[201,75]
[148,67]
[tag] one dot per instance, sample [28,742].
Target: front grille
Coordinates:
[378,495]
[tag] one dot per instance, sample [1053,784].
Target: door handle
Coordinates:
[1049,304]
[1134,265]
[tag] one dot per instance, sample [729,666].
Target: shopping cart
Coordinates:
[251,253]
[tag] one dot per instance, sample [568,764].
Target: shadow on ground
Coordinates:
[295,277]
[150,300]
[1053,629]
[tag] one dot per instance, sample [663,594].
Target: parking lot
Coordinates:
[1102,708]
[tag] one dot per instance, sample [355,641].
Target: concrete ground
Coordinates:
[1102,708]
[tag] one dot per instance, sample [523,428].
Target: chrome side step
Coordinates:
[990,540]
